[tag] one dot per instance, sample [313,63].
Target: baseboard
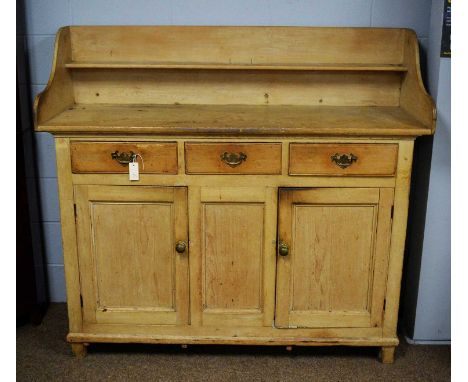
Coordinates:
[427,342]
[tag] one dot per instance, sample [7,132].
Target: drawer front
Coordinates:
[342,159]
[233,158]
[96,157]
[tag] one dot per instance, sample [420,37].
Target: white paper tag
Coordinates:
[133,173]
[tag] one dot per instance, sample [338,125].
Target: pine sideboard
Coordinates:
[274,174]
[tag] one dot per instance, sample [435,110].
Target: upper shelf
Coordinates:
[231,80]
[230,66]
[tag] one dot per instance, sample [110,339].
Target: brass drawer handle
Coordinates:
[124,158]
[233,159]
[344,160]
[181,246]
[283,249]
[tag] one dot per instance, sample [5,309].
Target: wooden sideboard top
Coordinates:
[265,81]
[236,120]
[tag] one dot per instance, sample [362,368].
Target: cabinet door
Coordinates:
[237,256]
[130,270]
[334,273]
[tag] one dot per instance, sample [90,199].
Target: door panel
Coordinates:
[129,268]
[338,241]
[146,250]
[321,282]
[238,256]
[235,230]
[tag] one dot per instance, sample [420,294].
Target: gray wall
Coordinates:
[44,17]
[426,289]
[433,303]
[432,320]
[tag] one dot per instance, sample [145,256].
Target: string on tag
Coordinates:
[142,161]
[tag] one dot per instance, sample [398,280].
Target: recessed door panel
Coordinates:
[233,252]
[136,266]
[340,239]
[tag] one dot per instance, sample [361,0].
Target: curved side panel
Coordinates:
[414,98]
[58,94]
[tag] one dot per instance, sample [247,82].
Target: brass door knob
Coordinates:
[181,246]
[283,249]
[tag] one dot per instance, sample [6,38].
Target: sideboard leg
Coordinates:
[387,354]
[79,350]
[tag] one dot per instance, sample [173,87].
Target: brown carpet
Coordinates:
[43,355]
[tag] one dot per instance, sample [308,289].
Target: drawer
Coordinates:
[233,158]
[96,157]
[338,159]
